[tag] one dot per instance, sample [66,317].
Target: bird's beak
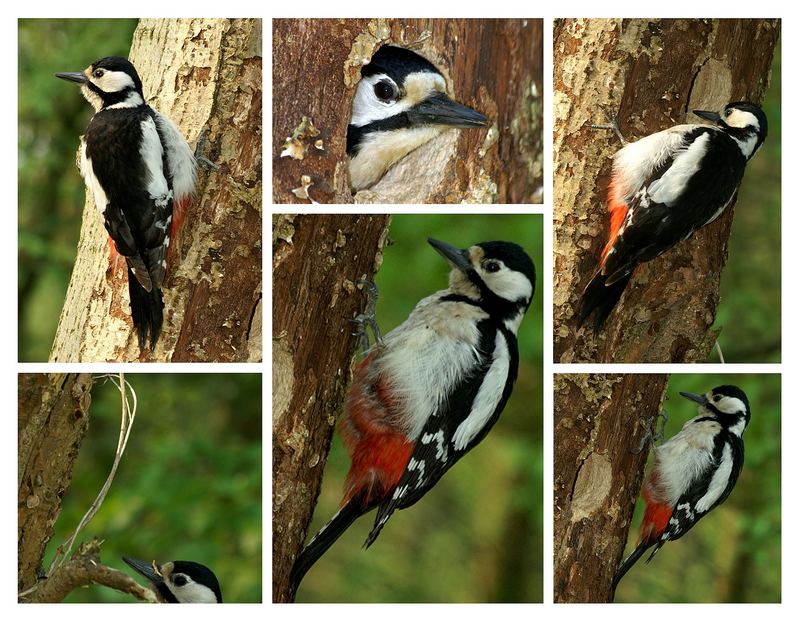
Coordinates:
[441,109]
[457,257]
[711,116]
[696,398]
[78,78]
[144,568]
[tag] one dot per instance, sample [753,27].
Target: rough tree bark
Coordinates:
[651,73]
[598,421]
[316,261]
[53,416]
[205,74]
[493,65]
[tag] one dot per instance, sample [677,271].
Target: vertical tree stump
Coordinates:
[316,260]
[53,417]
[598,421]
[651,73]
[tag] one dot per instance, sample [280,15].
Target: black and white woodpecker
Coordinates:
[400,104]
[179,581]
[431,389]
[694,471]
[666,186]
[141,173]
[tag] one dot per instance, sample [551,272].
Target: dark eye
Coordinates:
[491,267]
[728,112]
[98,72]
[384,91]
[179,580]
[717,398]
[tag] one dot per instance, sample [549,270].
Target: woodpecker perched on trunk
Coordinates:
[663,188]
[179,581]
[400,104]
[431,389]
[694,471]
[141,173]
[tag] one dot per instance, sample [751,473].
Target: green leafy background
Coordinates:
[477,536]
[188,486]
[734,553]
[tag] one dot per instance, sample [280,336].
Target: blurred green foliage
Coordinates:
[734,553]
[477,536]
[750,292]
[188,486]
[52,117]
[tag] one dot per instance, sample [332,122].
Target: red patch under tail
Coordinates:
[618,209]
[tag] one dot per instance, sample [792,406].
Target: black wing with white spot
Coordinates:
[437,448]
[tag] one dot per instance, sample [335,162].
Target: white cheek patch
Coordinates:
[730,405]
[509,284]
[367,107]
[91,96]
[740,119]
[113,81]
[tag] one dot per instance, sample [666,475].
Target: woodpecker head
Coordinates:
[499,274]
[179,581]
[726,404]
[400,104]
[745,122]
[109,83]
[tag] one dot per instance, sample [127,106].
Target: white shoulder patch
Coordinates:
[180,158]
[489,395]
[673,182]
[93,184]
[719,481]
[152,155]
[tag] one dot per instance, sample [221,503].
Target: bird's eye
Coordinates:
[717,398]
[384,91]
[179,580]
[491,267]
[728,112]
[98,73]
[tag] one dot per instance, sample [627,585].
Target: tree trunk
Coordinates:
[598,421]
[205,74]
[53,416]
[492,65]
[651,73]
[316,261]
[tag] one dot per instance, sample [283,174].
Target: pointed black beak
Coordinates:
[78,78]
[457,257]
[711,116]
[696,398]
[441,109]
[143,568]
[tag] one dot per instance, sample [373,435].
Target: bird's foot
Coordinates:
[611,125]
[653,434]
[367,319]
[198,153]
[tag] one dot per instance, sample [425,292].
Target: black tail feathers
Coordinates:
[147,311]
[627,564]
[324,539]
[601,296]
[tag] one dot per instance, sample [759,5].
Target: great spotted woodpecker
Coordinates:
[141,173]
[694,471]
[666,186]
[431,389]
[180,581]
[400,103]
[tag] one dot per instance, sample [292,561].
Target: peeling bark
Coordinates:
[598,421]
[205,74]
[53,417]
[316,261]
[492,65]
[651,74]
